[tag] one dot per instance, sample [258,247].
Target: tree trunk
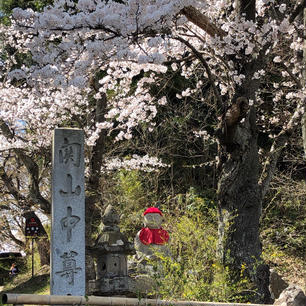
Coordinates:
[239,192]
[43,247]
[304,84]
[92,214]
[240,204]
[93,200]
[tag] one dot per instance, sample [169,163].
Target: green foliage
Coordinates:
[36,258]
[5,264]
[193,248]
[131,187]
[25,283]
[6,6]
[203,203]
[130,199]
[284,221]
[283,230]
[193,271]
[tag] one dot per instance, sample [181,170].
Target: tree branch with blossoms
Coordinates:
[220,104]
[10,186]
[278,145]
[33,171]
[7,231]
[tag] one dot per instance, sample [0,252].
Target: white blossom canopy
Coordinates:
[72,41]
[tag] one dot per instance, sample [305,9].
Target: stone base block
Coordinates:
[111,286]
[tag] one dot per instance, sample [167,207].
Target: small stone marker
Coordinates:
[68,213]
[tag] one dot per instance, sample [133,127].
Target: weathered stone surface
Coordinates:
[148,250]
[111,218]
[291,296]
[111,252]
[277,285]
[111,286]
[68,213]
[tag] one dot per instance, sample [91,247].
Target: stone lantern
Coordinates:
[110,252]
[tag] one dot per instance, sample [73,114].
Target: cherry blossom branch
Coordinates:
[278,145]
[220,103]
[32,168]
[184,59]
[74,28]
[9,184]
[10,233]
[296,81]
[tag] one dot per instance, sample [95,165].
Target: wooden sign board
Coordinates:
[32,227]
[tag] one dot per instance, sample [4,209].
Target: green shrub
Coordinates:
[284,217]
[193,271]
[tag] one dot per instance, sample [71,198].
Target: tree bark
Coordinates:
[93,198]
[239,193]
[240,204]
[304,83]
[240,189]
[43,248]
[196,17]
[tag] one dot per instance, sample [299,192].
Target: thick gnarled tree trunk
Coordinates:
[240,203]
[239,193]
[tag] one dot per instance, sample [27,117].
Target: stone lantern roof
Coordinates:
[111,240]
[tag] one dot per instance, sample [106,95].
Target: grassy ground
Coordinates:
[25,283]
[292,270]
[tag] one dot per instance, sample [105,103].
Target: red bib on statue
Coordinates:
[153,236]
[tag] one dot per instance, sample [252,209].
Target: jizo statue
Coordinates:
[152,238]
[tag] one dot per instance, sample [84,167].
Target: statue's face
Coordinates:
[153,220]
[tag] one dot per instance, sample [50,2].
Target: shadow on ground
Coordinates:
[35,284]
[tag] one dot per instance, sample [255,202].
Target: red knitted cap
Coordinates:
[152,210]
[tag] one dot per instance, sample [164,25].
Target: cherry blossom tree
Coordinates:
[93,63]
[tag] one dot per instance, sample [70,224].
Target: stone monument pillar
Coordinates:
[68,213]
[110,251]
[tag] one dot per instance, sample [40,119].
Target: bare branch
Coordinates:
[202,21]
[278,145]
[299,8]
